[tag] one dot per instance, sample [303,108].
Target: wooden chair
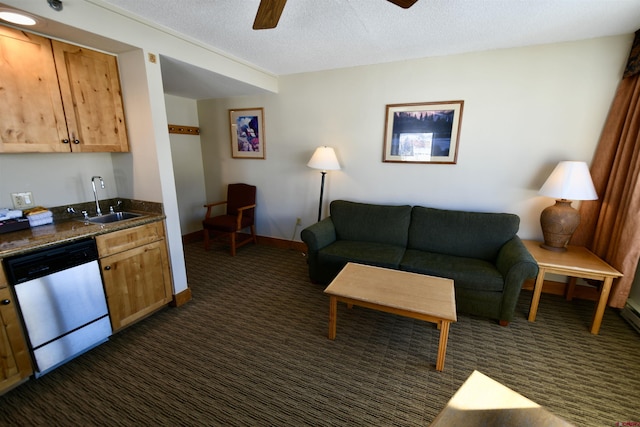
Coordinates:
[240,214]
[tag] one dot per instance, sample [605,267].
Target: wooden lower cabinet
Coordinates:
[135,272]
[15,362]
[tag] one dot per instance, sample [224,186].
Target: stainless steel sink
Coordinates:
[112,217]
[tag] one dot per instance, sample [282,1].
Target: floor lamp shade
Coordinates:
[568,181]
[324,158]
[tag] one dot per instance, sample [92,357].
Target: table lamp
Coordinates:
[323,158]
[568,181]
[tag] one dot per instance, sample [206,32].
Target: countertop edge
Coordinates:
[65,231]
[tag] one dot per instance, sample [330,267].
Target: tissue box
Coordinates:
[40,218]
[13,225]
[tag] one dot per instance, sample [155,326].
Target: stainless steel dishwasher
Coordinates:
[61,301]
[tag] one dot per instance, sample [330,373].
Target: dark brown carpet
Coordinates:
[251,350]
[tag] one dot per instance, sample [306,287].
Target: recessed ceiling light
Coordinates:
[18,18]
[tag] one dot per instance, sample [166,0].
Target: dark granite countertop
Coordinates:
[66,228]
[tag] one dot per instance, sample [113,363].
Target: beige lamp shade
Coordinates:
[568,181]
[324,158]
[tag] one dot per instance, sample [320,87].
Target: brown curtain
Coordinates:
[611,225]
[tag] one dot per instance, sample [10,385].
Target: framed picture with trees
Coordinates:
[427,132]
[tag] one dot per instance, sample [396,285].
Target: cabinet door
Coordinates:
[137,282]
[15,362]
[31,114]
[90,88]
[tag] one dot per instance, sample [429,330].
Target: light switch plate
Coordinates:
[23,200]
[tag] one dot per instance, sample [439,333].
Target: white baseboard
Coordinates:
[631,315]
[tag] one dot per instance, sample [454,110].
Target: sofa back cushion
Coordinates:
[371,223]
[461,233]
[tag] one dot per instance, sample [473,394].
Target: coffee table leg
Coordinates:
[442,346]
[333,316]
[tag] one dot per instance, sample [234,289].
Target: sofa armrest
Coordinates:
[516,264]
[319,235]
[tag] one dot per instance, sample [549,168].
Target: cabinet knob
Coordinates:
[76,141]
[65,141]
[108,267]
[6,302]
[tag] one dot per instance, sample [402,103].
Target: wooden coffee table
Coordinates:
[418,296]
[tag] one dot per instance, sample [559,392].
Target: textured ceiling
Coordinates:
[315,35]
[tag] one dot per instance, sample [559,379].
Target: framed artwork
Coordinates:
[247,133]
[426,132]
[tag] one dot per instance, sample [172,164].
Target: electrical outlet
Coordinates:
[22,200]
[298,221]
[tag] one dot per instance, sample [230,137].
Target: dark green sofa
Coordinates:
[480,251]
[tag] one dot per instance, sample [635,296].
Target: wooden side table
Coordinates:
[576,262]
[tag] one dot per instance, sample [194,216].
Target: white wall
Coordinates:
[525,109]
[188,171]
[147,172]
[149,169]
[56,179]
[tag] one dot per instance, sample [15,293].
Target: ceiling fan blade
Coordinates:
[406,4]
[268,14]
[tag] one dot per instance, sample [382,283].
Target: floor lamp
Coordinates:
[568,181]
[324,158]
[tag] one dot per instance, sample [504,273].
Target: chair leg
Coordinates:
[253,233]
[233,244]
[206,239]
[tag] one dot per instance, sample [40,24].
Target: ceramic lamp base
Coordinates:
[558,224]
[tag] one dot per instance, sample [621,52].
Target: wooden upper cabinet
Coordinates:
[31,113]
[90,88]
[58,97]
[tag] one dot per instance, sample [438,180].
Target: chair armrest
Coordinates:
[244,208]
[240,210]
[210,205]
[319,235]
[516,264]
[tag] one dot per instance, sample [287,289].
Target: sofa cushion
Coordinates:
[378,254]
[467,273]
[364,222]
[460,233]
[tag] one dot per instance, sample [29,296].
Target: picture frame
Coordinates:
[246,126]
[426,132]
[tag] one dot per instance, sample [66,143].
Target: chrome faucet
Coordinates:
[95,193]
